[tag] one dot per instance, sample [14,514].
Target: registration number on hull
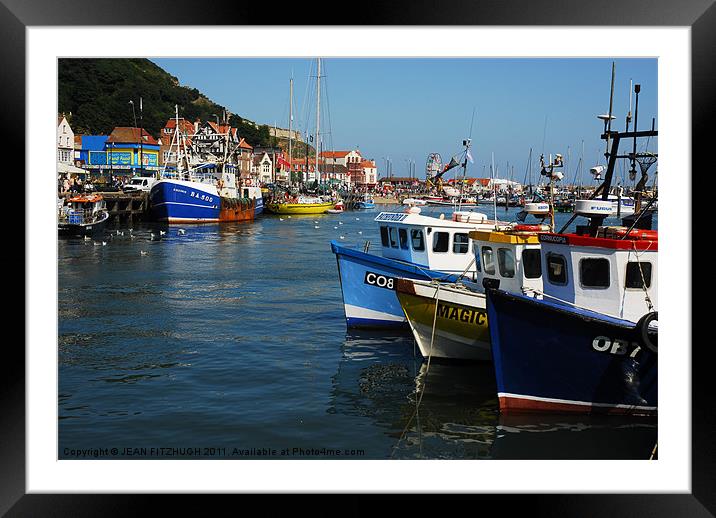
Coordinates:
[381,281]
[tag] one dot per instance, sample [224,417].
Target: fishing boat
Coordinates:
[449,321]
[589,344]
[190,192]
[84,215]
[417,202]
[412,246]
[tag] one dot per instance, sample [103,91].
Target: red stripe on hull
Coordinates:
[514,405]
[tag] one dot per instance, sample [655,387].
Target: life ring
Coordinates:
[642,329]
[528,228]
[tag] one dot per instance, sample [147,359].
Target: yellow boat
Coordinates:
[300,205]
[458,328]
[299,208]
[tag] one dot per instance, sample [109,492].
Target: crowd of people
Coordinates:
[71,185]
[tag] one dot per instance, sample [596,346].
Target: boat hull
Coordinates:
[237,209]
[299,208]
[460,320]
[177,201]
[368,287]
[83,229]
[364,205]
[551,357]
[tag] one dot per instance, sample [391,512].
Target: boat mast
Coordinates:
[318,117]
[290,120]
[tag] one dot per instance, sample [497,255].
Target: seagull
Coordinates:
[104,243]
[143,252]
[118,232]
[340,223]
[343,237]
[316,226]
[162,232]
[182,231]
[360,231]
[280,219]
[357,219]
[335,228]
[87,238]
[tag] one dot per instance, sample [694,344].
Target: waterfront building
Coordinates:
[262,168]
[127,150]
[340,157]
[66,148]
[245,157]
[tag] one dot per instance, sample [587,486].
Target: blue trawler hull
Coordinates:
[368,287]
[184,202]
[550,357]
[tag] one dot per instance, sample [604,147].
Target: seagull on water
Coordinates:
[182,231]
[143,252]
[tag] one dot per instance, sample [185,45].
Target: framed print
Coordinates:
[171,353]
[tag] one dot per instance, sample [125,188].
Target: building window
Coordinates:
[532,263]
[556,269]
[460,244]
[384,236]
[416,236]
[488,260]
[634,273]
[403,235]
[506,262]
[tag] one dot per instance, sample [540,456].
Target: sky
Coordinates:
[403,109]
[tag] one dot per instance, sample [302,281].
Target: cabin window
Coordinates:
[488,260]
[440,241]
[384,236]
[594,273]
[476,252]
[460,244]
[634,273]
[532,262]
[416,236]
[556,269]
[403,236]
[392,231]
[506,261]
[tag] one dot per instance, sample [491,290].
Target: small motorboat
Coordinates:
[84,215]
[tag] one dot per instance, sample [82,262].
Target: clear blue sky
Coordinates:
[408,108]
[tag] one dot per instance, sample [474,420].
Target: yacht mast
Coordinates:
[290,120]
[318,118]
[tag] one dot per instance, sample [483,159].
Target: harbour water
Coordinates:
[229,341]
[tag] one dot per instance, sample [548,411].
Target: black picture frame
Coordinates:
[699,15]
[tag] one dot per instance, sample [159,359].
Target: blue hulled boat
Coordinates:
[183,201]
[412,246]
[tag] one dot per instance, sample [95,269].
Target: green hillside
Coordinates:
[94,94]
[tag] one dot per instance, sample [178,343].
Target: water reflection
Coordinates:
[449,410]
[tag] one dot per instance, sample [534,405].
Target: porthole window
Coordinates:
[556,269]
[594,272]
[441,241]
[392,231]
[384,236]
[416,236]
[403,236]
[506,262]
[460,244]
[532,263]
[488,260]
[634,273]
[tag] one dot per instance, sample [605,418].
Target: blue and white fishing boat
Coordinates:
[190,192]
[412,246]
[588,344]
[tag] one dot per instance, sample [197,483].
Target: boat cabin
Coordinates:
[83,209]
[434,243]
[614,273]
[509,260]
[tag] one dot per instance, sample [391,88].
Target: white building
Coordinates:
[262,168]
[65,141]
[340,157]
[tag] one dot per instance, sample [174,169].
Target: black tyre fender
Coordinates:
[642,329]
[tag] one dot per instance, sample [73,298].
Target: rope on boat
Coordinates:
[649,304]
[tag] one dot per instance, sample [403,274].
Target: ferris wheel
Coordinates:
[433,165]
